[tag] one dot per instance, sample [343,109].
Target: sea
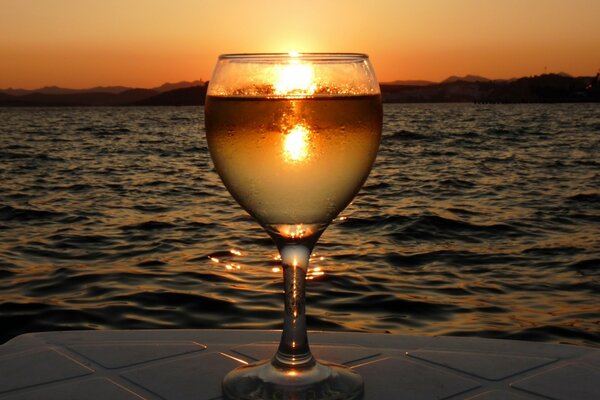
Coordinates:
[477,220]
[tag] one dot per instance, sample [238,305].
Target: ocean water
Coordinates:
[478,220]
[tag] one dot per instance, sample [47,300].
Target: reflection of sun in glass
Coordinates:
[295,144]
[293,231]
[294,79]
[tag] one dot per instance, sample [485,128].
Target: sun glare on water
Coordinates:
[296,144]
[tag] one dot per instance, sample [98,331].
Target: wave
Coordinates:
[451,258]
[9,213]
[393,305]
[152,208]
[408,135]
[432,227]
[149,226]
[585,198]
[457,183]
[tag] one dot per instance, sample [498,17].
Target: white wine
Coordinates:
[293,164]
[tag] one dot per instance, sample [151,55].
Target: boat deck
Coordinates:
[189,364]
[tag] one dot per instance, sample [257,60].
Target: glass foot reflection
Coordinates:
[319,381]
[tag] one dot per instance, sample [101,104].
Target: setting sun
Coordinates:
[295,79]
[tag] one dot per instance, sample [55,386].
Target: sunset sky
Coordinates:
[144,43]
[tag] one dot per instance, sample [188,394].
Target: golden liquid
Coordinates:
[293,164]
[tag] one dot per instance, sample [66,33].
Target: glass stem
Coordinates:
[294,351]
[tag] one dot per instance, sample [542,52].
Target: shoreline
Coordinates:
[542,89]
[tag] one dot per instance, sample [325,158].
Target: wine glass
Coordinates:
[293,138]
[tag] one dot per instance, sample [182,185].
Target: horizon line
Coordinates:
[52,86]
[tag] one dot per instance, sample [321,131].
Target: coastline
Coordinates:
[548,88]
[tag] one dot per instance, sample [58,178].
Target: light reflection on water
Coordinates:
[477,220]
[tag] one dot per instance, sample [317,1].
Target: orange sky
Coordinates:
[144,43]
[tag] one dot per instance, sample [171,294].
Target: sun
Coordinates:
[294,79]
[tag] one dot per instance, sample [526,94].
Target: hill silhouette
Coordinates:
[165,87]
[535,89]
[100,89]
[190,96]
[466,78]
[410,82]
[547,88]
[37,99]
[59,90]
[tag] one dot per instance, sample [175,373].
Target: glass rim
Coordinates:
[295,55]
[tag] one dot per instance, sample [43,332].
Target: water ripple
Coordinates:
[478,220]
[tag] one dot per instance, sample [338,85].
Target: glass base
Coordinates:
[320,381]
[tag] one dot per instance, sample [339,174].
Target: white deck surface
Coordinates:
[189,364]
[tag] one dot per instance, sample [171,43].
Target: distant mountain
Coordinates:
[99,89]
[564,74]
[8,100]
[547,88]
[37,99]
[187,96]
[133,95]
[466,78]
[536,89]
[59,90]
[14,92]
[179,85]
